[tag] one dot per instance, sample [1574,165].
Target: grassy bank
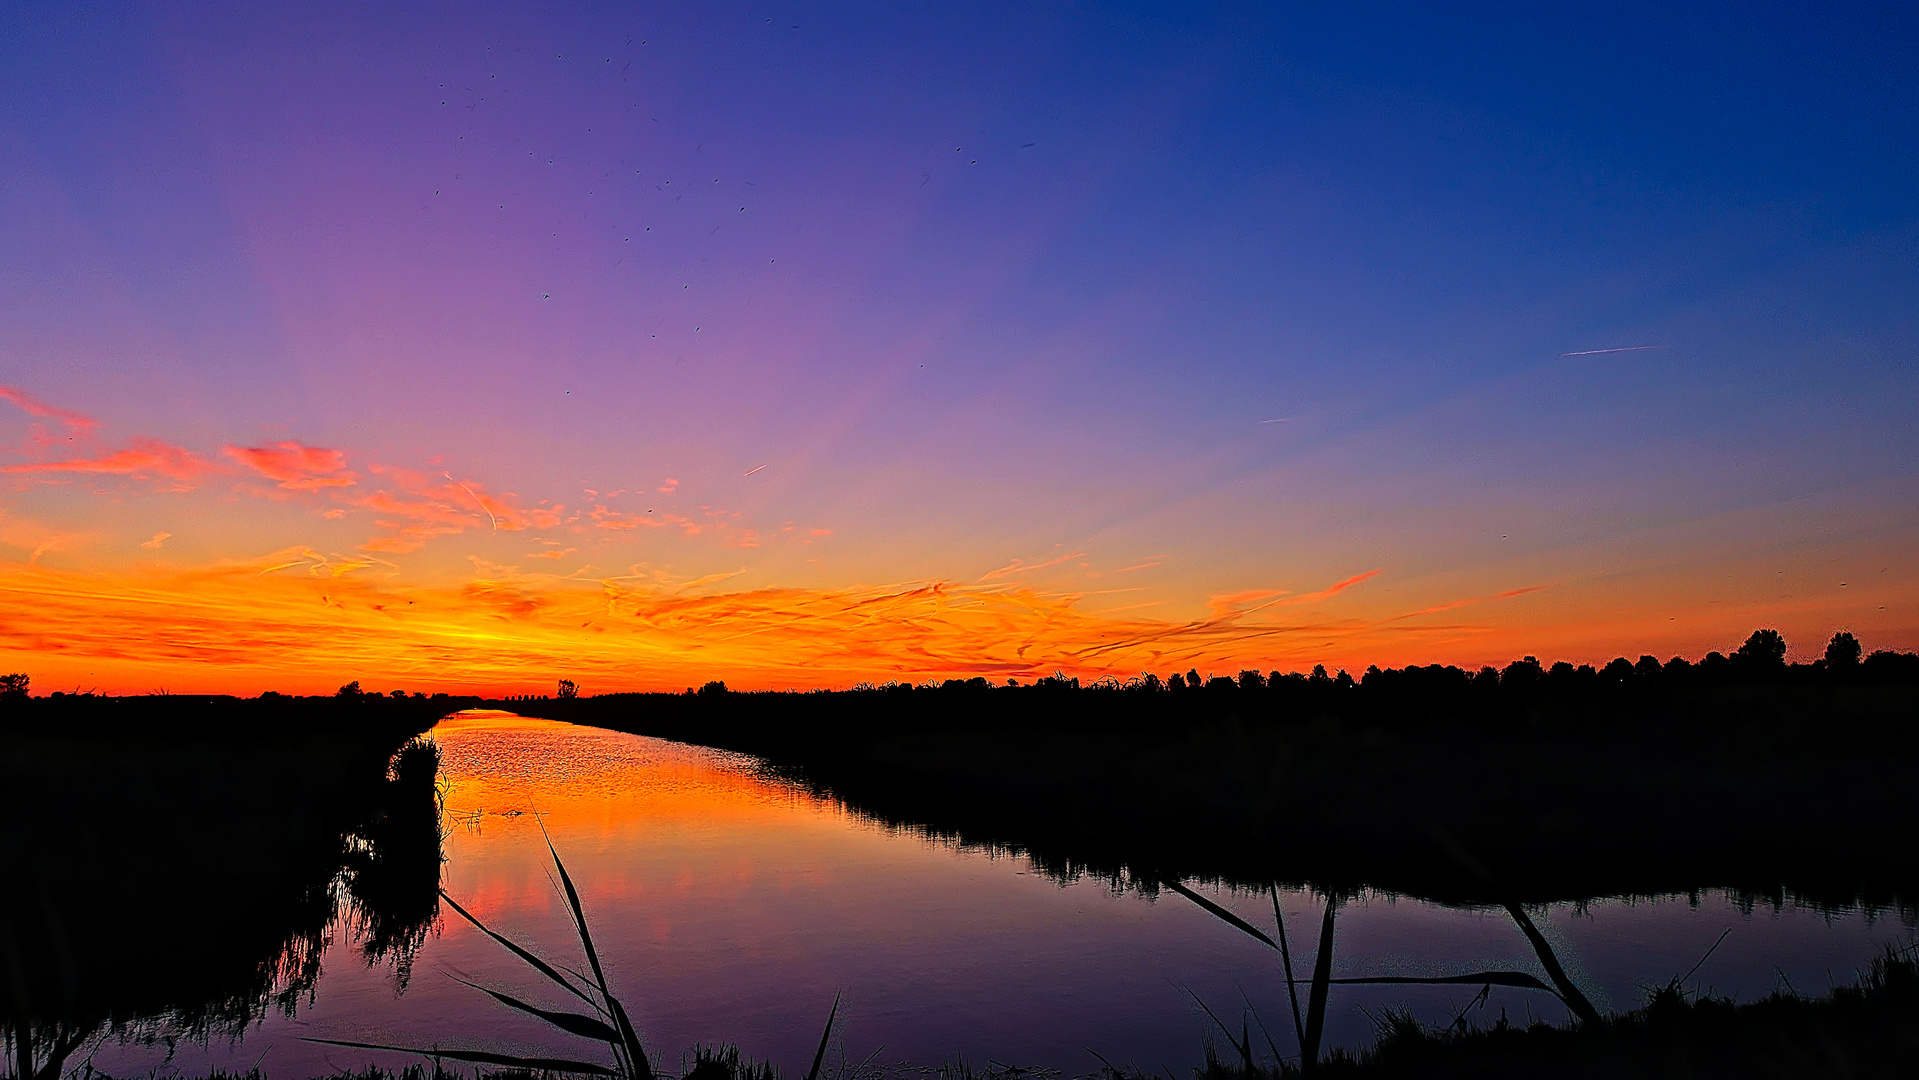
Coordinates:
[1526,785]
[1867,1029]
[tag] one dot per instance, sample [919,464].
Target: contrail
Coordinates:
[1281,420]
[750,472]
[1602,352]
[475,498]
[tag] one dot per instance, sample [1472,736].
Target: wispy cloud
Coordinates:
[35,407]
[1623,348]
[143,458]
[1234,603]
[1020,566]
[1507,595]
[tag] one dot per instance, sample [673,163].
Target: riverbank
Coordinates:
[177,865]
[1452,791]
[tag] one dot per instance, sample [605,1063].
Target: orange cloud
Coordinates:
[144,458]
[295,467]
[418,508]
[35,407]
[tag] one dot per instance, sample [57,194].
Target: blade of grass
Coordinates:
[1479,978]
[629,1038]
[572,1023]
[1316,998]
[1568,993]
[1222,913]
[1270,1044]
[1681,980]
[1110,1070]
[538,964]
[1286,958]
[1245,1052]
[854,1075]
[820,1054]
[481,1057]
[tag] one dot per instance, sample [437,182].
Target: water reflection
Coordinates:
[730,906]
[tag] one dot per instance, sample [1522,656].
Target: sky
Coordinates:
[476,346]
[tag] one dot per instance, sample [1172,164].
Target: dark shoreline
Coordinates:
[1791,783]
[177,865]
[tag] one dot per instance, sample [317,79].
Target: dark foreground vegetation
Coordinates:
[175,865]
[1867,1029]
[1530,783]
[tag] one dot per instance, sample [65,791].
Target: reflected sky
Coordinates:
[730,908]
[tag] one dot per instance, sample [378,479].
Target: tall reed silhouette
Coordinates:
[1309,1031]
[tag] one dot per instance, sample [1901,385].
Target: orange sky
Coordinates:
[97,595]
[661,348]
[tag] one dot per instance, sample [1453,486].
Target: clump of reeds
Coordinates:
[1310,1027]
[607,1023]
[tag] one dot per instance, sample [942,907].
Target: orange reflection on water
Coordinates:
[599,794]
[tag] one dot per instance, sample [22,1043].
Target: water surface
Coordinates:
[731,907]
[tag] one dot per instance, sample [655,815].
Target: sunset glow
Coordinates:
[649,349]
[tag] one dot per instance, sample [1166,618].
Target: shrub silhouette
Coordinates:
[1843,651]
[1765,650]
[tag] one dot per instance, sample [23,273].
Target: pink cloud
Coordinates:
[35,407]
[146,457]
[296,467]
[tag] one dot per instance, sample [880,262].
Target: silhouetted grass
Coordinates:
[608,1024]
[1867,1029]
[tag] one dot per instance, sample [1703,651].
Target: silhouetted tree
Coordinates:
[1522,673]
[568,689]
[350,690]
[14,687]
[1319,676]
[1843,652]
[1765,650]
[1193,680]
[1251,680]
